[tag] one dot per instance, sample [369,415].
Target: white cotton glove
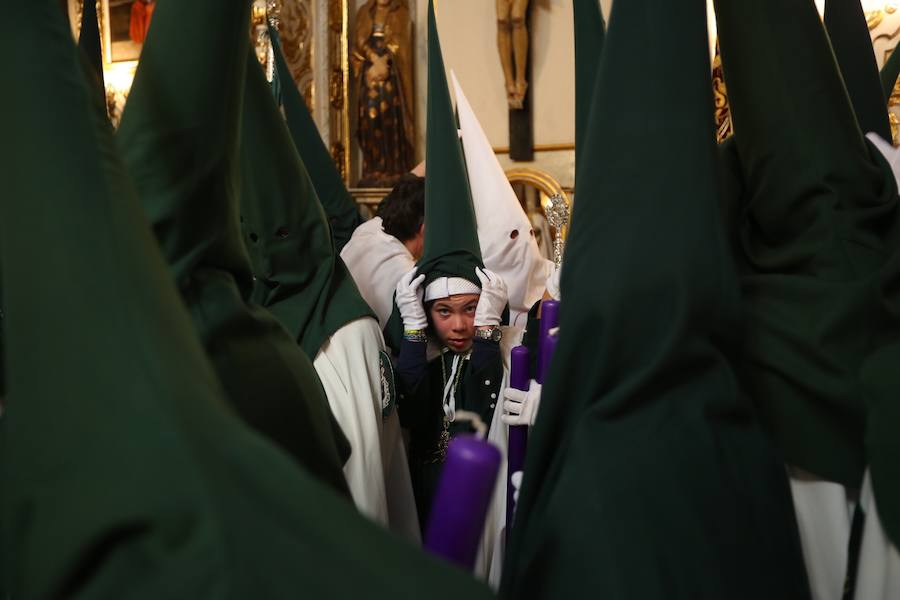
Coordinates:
[493,299]
[409,301]
[516,480]
[520,408]
[553,284]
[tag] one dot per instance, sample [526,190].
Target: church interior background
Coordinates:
[332,47]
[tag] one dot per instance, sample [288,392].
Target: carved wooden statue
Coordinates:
[512,43]
[382,67]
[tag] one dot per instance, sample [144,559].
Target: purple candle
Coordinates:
[549,320]
[548,349]
[519,378]
[462,500]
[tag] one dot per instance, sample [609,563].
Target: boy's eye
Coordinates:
[443,312]
[470,309]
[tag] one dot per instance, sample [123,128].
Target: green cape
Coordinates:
[340,208]
[124,473]
[299,276]
[848,31]
[178,136]
[645,457]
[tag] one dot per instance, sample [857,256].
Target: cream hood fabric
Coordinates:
[376,261]
[505,235]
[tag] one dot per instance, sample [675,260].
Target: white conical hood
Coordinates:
[507,241]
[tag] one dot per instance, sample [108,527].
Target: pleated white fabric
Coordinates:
[878,574]
[349,366]
[376,261]
[824,515]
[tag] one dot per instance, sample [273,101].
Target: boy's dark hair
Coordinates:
[403,210]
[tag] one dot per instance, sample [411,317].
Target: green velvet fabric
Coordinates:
[647,475]
[819,253]
[179,139]
[125,474]
[590,30]
[815,228]
[848,31]
[89,42]
[340,207]
[299,276]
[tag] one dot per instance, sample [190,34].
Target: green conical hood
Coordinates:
[818,217]
[590,31]
[179,137]
[124,475]
[451,234]
[644,456]
[889,73]
[340,208]
[299,276]
[89,41]
[849,34]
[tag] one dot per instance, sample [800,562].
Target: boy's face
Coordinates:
[453,319]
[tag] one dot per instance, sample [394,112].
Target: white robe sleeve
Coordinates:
[878,574]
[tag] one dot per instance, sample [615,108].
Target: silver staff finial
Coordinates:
[558,217]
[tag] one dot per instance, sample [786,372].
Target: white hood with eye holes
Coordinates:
[508,246]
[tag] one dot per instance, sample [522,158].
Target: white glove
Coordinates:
[553,284]
[516,480]
[520,408]
[493,299]
[409,301]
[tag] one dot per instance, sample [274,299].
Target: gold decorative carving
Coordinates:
[339,83]
[724,124]
[295,28]
[874,18]
[294,22]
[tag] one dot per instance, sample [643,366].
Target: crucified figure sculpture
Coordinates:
[512,43]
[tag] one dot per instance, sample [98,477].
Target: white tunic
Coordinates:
[349,366]
[376,261]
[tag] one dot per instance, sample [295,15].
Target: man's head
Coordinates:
[402,213]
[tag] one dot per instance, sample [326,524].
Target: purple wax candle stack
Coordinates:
[519,378]
[462,500]
[549,320]
[548,349]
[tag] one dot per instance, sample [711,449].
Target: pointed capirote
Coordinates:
[179,137]
[645,453]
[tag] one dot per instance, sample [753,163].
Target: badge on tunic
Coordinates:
[388,387]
